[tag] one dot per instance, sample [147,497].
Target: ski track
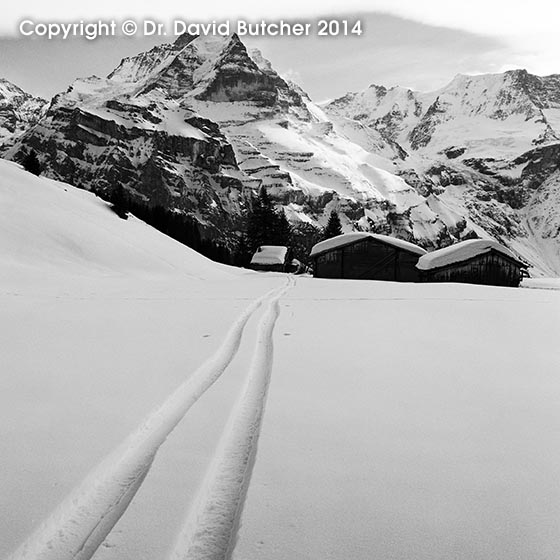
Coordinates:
[81,522]
[210,529]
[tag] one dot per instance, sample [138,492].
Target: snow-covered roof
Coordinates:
[461,252]
[270,254]
[349,238]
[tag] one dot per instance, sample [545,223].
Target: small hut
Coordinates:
[367,256]
[477,261]
[275,258]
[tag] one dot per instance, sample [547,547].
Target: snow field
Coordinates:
[101,318]
[210,530]
[409,421]
[81,523]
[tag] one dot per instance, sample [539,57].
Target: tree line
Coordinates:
[263,224]
[267,225]
[181,227]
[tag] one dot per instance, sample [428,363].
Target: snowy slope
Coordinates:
[543,219]
[353,419]
[486,115]
[392,111]
[54,225]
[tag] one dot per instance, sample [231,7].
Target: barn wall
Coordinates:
[329,265]
[407,267]
[490,268]
[367,259]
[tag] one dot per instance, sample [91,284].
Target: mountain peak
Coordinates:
[18,109]
[8,90]
[518,72]
[378,89]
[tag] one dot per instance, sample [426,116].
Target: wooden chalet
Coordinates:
[366,256]
[477,261]
[273,258]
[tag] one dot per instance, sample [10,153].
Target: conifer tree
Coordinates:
[282,230]
[119,202]
[304,236]
[261,221]
[31,163]
[334,226]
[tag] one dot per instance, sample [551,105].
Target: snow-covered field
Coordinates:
[353,419]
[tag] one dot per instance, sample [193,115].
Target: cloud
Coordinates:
[495,17]
[392,51]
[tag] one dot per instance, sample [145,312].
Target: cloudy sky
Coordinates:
[415,43]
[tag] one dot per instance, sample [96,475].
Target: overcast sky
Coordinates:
[420,44]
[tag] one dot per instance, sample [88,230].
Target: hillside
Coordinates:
[53,227]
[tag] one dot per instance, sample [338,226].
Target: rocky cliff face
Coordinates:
[129,130]
[201,124]
[18,110]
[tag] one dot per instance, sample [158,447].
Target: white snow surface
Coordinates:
[270,254]
[400,420]
[460,252]
[348,238]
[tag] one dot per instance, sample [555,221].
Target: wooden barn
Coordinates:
[477,261]
[366,256]
[274,258]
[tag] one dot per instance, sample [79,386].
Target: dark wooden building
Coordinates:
[366,256]
[477,261]
[273,258]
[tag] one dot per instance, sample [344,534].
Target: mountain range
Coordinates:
[200,125]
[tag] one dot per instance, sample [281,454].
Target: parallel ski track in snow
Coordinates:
[79,525]
[210,530]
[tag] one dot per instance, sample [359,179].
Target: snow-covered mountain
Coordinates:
[488,115]
[104,132]
[18,110]
[201,124]
[486,144]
